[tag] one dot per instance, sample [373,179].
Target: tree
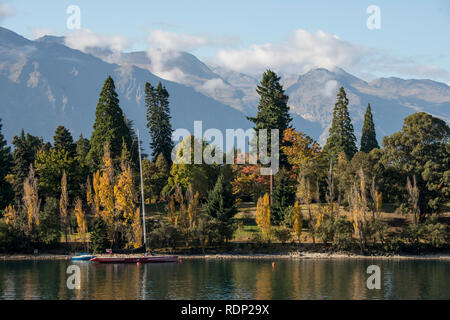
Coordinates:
[421,149]
[63,207]
[185,172]
[63,141]
[263,216]
[155,176]
[31,201]
[368,138]
[298,221]
[50,225]
[158,117]
[6,163]
[25,149]
[82,149]
[283,196]
[99,238]
[110,126]
[248,183]
[50,166]
[273,109]
[300,149]
[220,203]
[341,135]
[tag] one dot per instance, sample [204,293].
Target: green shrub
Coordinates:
[435,233]
[326,230]
[166,235]
[283,234]
[379,231]
[413,233]
[342,234]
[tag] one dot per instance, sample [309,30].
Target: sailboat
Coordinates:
[145,258]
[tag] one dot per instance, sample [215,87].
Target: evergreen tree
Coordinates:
[368,138]
[342,137]
[6,162]
[26,147]
[109,126]
[158,117]
[221,202]
[63,141]
[50,227]
[283,196]
[273,109]
[99,238]
[82,149]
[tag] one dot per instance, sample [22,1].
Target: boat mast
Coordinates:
[142,193]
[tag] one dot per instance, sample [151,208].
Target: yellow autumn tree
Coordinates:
[81,219]
[11,216]
[172,217]
[359,210]
[63,207]
[263,215]
[136,229]
[192,206]
[31,199]
[298,220]
[299,149]
[105,185]
[125,198]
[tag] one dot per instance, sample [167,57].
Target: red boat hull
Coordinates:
[162,259]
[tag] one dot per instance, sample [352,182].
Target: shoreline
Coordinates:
[262,256]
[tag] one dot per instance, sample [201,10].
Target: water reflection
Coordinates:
[231,279]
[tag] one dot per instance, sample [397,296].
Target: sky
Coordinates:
[412,40]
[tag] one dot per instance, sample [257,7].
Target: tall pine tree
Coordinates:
[369,137]
[342,137]
[6,161]
[158,117]
[63,141]
[273,109]
[109,126]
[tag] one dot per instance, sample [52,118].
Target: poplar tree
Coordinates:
[368,138]
[341,136]
[158,117]
[110,126]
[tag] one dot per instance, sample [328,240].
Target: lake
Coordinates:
[227,279]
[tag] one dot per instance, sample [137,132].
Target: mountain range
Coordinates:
[44,83]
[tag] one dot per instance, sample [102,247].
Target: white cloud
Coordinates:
[162,64]
[85,39]
[5,11]
[302,51]
[184,42]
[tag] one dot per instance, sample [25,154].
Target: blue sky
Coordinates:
[413,40]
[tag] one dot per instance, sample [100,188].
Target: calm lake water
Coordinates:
[229,279]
